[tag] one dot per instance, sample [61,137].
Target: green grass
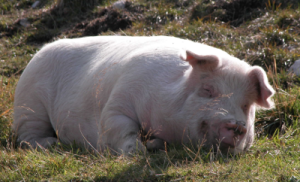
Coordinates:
[262,32]
[275,159]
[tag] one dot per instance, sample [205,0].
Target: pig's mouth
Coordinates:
[230,135]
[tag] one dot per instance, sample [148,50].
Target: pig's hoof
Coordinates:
[155,144]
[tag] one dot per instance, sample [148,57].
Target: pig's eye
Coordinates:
[208,93]
[205,93]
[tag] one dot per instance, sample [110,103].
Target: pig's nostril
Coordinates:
[238,131]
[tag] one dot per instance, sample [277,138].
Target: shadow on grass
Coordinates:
[236,12]
[154,166]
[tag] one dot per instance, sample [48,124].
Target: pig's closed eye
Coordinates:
[205,92]
[208,93]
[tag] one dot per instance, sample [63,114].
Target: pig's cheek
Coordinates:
[203,129]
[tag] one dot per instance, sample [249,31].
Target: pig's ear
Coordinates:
[259,78]
[204,62]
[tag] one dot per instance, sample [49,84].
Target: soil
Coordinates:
[111,19]
[234,12]
[81,22]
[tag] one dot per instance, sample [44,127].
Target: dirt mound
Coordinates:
[235,12]
[111,19]
[83,22]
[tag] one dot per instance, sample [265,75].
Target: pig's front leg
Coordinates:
[121,134]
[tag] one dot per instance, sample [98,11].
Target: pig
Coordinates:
[100,92]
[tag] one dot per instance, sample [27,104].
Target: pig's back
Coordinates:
[86,70]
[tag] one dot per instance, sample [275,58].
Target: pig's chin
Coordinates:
[230,136]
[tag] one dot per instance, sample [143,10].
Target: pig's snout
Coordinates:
[231,133]
[237,129]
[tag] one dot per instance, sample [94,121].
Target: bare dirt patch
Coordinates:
[111,19]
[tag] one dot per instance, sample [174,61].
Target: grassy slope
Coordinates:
[264,33]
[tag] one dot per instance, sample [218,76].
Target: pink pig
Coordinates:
[101,91]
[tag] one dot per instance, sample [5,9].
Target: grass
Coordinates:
[275,159]
[264,33]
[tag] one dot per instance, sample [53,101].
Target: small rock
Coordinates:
[119,4]
[35,4]
[24,22]
[295,68]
